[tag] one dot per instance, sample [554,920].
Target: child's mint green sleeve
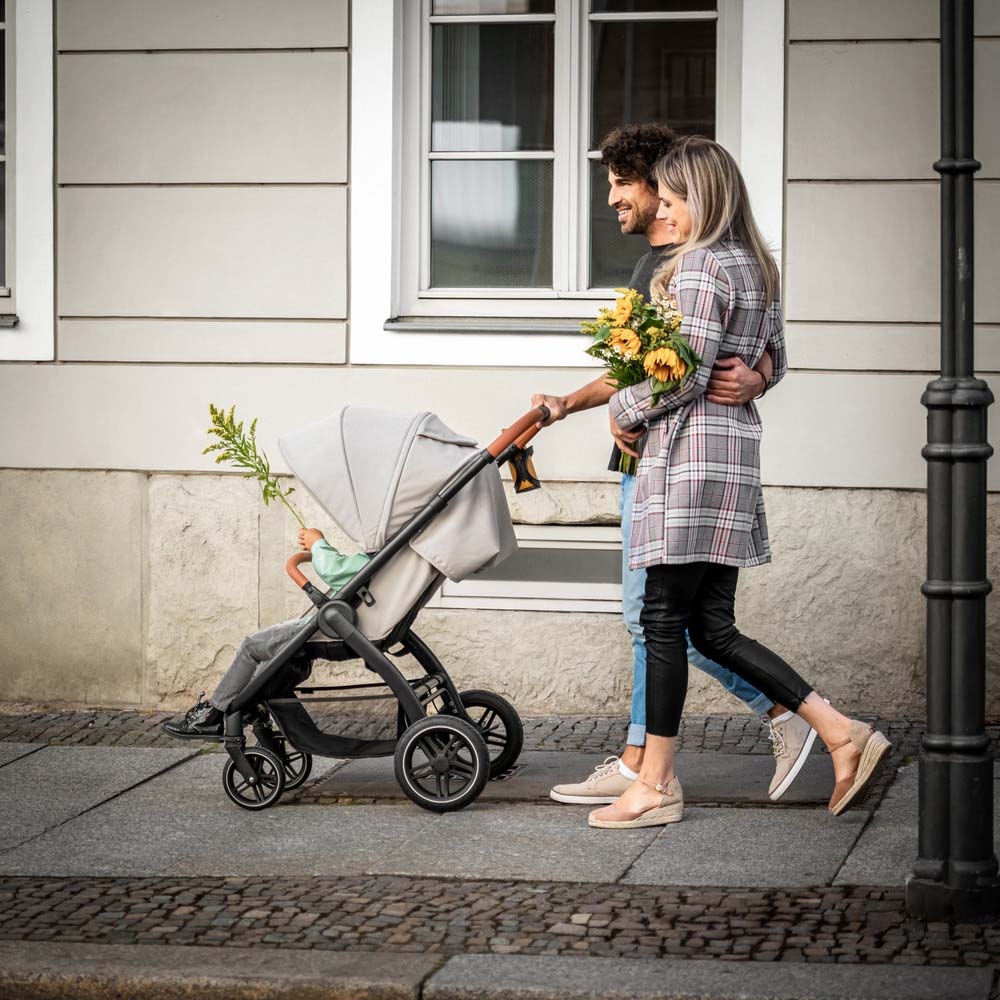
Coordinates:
[332,567]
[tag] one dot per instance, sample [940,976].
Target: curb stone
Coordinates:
[46,971]
[538,977]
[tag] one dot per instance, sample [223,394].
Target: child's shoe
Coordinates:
[203,722]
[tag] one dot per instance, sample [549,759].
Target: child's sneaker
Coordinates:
[203,722]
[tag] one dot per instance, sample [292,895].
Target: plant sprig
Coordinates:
[240,449]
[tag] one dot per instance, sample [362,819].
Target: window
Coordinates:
[394,317]
[555,568]
[6,158]
[27,235]
[506,102]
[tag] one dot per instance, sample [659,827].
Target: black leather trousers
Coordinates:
[700,597]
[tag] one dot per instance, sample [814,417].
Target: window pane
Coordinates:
[612,255]
[491,87]
[653,71]
[3,90]
[652,6]
[491,224]
[494,6]
[3,224]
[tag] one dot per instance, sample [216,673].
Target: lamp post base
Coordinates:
[929,900]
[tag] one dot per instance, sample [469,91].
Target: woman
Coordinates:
[698,514]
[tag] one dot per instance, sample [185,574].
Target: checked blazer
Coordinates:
[698,495]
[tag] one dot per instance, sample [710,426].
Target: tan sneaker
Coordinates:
[603,786]
[792,740]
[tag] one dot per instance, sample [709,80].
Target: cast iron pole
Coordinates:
[955,874]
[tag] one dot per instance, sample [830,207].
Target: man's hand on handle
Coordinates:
[556,405]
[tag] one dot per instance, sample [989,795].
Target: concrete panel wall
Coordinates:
[199,185]
[267,252]
[193,24]
[231,117]
[841,600]
[864,19]
[854,429]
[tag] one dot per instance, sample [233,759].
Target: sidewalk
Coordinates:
[124,870]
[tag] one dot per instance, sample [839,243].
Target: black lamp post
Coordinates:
[955,874]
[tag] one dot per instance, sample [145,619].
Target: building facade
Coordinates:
[396,203]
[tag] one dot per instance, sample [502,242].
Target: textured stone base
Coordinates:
[158,577]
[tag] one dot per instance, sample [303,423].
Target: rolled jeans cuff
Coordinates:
[760,705]
[636,735]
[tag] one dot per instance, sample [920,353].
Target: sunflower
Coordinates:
[623,311]
[625,342]
[664,364]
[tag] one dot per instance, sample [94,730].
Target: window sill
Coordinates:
[475,325]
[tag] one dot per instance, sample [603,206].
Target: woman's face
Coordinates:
[674,212]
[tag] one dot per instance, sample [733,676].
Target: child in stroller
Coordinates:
[425,504]
[204,720]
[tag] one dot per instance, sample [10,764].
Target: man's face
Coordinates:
[634,201]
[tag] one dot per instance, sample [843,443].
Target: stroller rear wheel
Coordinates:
[297,765]
[267,785]
[498,721]
[442,763]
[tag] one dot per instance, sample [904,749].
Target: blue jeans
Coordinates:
[633,588]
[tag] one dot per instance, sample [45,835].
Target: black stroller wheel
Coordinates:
[267,787]
[498,721]
[297,765]
[442,763]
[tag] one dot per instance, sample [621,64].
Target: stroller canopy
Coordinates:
[373,470]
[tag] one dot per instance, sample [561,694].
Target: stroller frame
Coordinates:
[431,751]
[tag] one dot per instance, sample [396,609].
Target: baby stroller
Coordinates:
[426,503]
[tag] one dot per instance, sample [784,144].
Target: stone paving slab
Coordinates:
[887,849]
[14,751]
[748,847]
[44,789]
[707,777]
[501,977]
[516,842]
[31,971]
[181,823]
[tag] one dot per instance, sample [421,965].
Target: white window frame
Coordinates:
[750,122]
[511,595]
[31,265]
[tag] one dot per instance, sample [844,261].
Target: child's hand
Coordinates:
[308,537]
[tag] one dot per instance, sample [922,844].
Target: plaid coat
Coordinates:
[698,495]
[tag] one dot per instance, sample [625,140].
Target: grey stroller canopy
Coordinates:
[374,470]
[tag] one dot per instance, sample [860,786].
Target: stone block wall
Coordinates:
[142,586]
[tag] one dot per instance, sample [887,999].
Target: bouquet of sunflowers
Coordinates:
[639,340]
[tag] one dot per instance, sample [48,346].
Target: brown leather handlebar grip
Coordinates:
[525,427]
[292,568]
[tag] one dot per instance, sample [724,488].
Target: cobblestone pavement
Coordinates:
[450,917]
[602,734]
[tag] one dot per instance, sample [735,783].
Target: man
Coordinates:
[630,153]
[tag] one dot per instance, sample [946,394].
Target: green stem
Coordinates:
[302,523]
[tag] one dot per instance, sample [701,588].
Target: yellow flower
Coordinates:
[625,342]
[623,311]
[664,364]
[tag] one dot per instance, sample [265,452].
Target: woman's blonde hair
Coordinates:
[705,175]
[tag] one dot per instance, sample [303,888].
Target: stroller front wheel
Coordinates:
[267,785]
[442,763]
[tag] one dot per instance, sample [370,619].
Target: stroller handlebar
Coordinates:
[292,568]
[522,431]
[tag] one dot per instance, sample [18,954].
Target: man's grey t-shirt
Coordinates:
[642,275]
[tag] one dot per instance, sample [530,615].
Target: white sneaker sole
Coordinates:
[583,800]
[800,761]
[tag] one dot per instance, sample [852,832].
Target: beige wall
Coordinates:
[202,176]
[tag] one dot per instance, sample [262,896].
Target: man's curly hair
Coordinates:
[631,151]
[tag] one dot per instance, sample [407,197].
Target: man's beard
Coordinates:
[638,221]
